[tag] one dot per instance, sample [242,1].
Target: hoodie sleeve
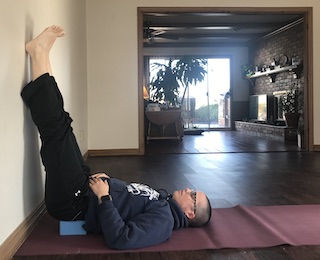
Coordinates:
[151,227]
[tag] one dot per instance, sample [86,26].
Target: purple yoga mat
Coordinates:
[237,227]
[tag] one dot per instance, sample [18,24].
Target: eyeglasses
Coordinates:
[193,195]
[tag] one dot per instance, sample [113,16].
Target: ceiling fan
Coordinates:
[150,34]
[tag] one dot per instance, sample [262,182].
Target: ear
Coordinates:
[190,214]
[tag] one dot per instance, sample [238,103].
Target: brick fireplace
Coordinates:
[289,43]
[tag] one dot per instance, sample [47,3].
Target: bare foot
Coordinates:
[44,41]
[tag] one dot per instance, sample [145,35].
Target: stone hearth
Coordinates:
[280,133]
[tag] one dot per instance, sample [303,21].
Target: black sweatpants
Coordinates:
[66,183]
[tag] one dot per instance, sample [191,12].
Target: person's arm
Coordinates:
[151,227]
[98,185]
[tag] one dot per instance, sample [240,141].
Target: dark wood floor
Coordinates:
[232,170]
[219,142]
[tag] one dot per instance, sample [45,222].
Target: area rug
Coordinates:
[237,227]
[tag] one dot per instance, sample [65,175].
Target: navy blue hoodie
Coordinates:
[136,217]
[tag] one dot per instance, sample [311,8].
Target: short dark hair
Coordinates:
[203,215]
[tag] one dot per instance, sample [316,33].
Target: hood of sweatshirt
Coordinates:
[180,219]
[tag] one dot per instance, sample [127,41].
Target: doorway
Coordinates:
[307,59]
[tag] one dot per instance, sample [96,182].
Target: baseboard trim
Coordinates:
[85,156]
[316,148]
[113,152]
[10,246]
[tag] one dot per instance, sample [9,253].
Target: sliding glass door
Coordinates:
[207,104]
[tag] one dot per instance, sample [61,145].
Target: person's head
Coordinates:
[195,205]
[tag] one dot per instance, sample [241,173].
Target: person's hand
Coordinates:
[98,186]
[99,175]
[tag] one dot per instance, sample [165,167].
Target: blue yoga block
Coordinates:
[69,228]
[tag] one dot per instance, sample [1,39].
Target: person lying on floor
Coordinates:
[129,215]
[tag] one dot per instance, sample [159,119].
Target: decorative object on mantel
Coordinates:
[295,60]
[296,70]
[290,106]
[282,63]
[247,70]
[283,60]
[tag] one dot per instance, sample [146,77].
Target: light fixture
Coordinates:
[145,93]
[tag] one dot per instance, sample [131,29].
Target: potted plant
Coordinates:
[247,70]
[170,77]
[291,105]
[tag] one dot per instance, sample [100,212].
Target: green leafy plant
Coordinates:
[204,113]
[164,84]
[247,70]
[169,77]
[290,101]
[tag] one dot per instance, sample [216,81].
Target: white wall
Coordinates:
[22,177]
[112,75]
[113,71]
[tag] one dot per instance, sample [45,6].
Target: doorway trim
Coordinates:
[307,59]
